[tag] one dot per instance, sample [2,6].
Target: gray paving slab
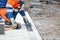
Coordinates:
[2,27]
[20,34]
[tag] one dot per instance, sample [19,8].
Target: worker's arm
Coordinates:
[4,17]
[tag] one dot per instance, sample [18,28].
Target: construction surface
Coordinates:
[24,33]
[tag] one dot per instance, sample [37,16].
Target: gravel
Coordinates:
[47,21]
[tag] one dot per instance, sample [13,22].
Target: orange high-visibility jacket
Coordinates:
[3,13]
[13,3]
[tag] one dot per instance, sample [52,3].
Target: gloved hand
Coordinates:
[19,7]
[14,24]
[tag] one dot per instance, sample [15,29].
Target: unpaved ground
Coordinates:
[47,21]
[49,28]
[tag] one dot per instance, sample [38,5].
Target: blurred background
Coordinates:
[46,17]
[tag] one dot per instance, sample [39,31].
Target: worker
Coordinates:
[15,7]
[19,8]
[9,14]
